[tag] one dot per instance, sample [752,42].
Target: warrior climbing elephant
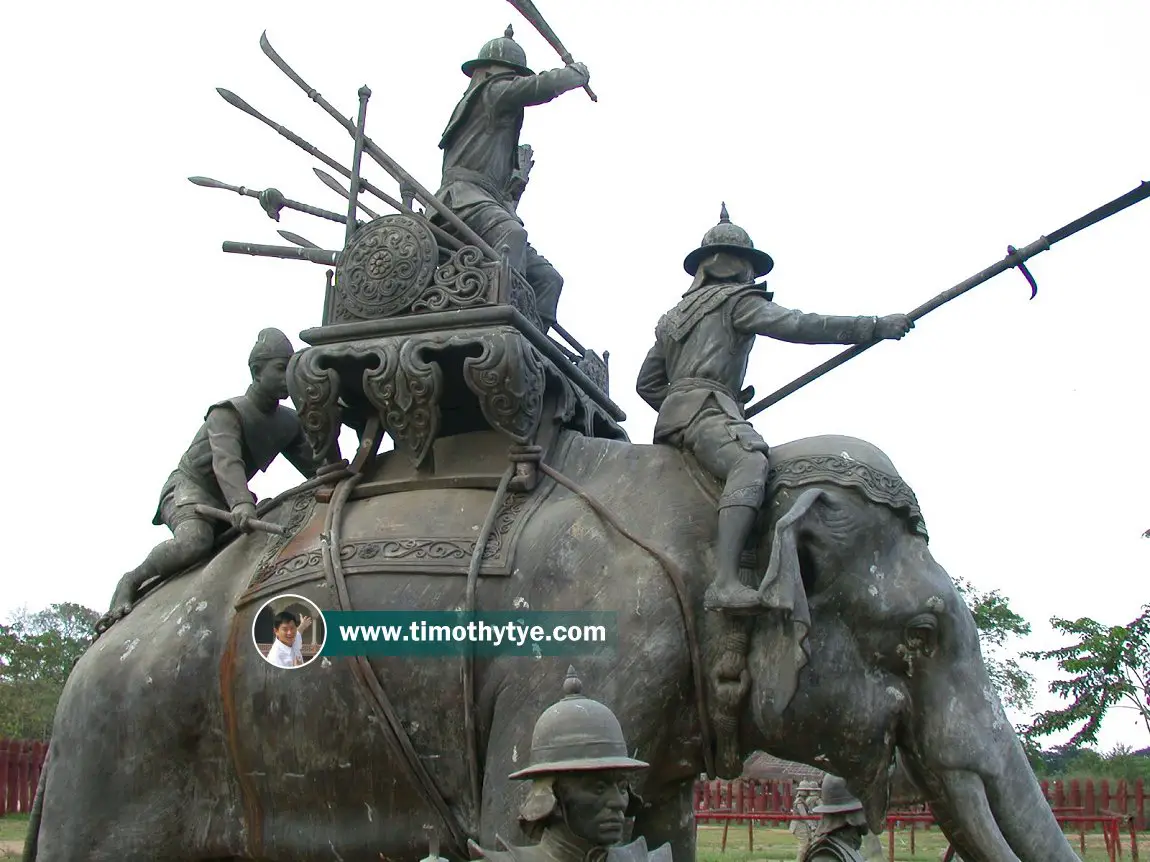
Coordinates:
[174,739]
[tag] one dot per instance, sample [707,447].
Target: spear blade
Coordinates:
[297,239]
[208,183]
[336,186]
[1014,258]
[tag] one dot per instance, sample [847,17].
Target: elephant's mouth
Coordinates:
[991,818]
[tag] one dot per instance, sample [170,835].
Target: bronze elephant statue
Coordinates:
[175,740]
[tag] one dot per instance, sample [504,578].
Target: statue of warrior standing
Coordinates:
[481,153]
[240,437]
[579,797]
[839,834]
[694,374]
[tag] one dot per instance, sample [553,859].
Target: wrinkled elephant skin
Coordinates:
[175,740]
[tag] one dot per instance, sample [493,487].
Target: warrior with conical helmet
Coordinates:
[842,826]
[694,375]
[240,437]
[481,155]
[580,795]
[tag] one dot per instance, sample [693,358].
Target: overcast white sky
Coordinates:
[880,152]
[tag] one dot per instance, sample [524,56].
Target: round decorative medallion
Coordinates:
[386,267]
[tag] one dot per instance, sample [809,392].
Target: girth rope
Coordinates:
[676,575]
[398,739]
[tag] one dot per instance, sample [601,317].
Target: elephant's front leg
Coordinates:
[669,817]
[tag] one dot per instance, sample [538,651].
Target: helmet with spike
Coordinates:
[577,734]
[504,51]
[730,238]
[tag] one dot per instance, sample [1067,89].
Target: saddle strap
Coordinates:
[676,576]
[398,739]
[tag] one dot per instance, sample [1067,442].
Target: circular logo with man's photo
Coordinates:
[289,631]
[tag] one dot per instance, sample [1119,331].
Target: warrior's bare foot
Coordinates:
[733,597]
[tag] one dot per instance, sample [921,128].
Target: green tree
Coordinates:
[1107,667]
[997,623]
[37,651]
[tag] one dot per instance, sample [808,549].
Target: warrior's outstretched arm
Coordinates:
[225,436]
[758,315]
[515,93]
[653,383]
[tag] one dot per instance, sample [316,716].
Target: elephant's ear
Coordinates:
[784,631]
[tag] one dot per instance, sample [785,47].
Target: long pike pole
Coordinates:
[385,161]
[357,157]
[1014,258]
[236,102]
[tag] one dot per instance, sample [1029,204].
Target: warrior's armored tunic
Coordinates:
[830,848]
[556,847]
[481,141]
[693,374]
[237,440]
[481,152]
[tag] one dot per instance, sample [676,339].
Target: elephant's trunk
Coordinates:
[1023,814]
[997,814]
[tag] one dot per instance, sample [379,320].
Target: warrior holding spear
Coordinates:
[481,153]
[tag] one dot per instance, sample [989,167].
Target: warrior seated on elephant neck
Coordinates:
[694,375]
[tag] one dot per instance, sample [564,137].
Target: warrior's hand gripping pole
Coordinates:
[1014,258]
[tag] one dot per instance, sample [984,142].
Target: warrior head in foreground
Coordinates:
[580,795]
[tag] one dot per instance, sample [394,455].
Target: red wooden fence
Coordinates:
[20,763]
[1090,797]
[22,760]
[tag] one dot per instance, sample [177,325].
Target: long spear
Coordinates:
[236,102]
[272,200]
[334,184]
[357,157]
[383,159]
[1014,258]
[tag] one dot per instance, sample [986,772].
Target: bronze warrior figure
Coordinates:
[240,437]
[694,375]
[839,834]
[481,154]
[579,797]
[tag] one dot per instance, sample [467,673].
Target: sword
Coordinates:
[1014,258]
[527,10]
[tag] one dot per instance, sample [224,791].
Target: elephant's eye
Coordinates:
[922,634]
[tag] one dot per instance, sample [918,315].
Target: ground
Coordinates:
[778,844]
[770,844]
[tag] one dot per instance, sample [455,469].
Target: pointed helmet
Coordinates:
[271,344]
[836,797]
[504,51]
[732,239]
[577,734]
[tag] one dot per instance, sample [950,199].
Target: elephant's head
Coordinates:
[891,660]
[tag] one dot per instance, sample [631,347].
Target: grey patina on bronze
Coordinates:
[580,795]
[459,371]
[482,156]
[240,437]
[842,825]
[694,377]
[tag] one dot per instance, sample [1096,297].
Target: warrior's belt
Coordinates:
[465,175]
[690,384]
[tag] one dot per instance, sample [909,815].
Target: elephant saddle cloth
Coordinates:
[557,850]
[831,849]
